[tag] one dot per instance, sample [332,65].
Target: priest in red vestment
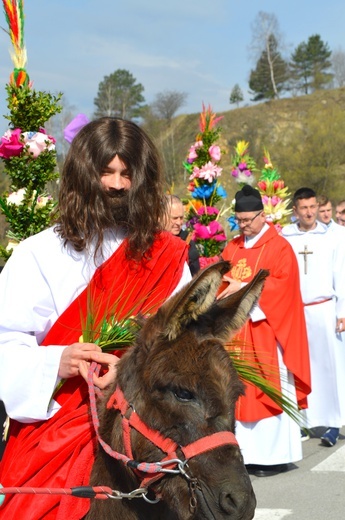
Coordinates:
[106,254]
[274,337]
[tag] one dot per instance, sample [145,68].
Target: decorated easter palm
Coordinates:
[27,151]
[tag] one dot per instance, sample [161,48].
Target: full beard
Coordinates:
[118,204]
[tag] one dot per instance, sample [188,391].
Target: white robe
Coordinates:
[277,439]
[336,228]
[37,284]
[324,279]
[273,440]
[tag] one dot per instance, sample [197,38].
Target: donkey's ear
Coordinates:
[227,316]
[193,300]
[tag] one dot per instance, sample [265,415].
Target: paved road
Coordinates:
[313,489]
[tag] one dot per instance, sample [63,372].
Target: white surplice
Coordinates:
[322,276]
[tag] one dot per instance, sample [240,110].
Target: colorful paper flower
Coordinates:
[204,192]
[193,154]
[208,210]
[215,152]
[202,166]
[43,200]
[37,142]
[243,166]
[213,230]
[233,223]
[274,193]
[208,119]
[208,171]
[16,197]
[221,192]
[75,126]
[11,144]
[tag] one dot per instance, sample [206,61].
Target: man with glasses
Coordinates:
[274,338]
[321,258]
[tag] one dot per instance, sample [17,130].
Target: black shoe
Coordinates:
[330,437]
[266,471]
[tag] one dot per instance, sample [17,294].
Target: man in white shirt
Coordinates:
[324,215]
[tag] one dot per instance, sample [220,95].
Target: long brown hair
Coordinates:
[83,210]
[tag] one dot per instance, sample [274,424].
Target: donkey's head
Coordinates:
[181,382]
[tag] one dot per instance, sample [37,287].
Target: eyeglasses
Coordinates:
[246,221]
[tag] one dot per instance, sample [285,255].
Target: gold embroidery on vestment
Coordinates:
[241,270]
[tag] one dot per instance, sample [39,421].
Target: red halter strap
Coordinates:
[130,419]
[118,402]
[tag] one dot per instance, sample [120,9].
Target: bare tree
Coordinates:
[338,64]
[56,125]
[167,103]
[264,27]
[164,107]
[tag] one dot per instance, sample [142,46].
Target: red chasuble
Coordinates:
[284,324]
[59,452]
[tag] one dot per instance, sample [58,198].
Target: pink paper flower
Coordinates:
[36,142]
[214,152]
[11,145]
[213,231]
[209,210]
[205,261]
[192,155]
[275,200]
[209,172]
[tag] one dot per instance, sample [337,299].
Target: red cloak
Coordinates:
[284,323]
[59,452]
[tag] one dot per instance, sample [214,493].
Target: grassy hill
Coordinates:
[305,137]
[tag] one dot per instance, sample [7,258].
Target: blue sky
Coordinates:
[200,47]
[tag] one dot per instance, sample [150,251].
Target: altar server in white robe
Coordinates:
[321,258]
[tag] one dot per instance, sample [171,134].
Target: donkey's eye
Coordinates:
[183,395]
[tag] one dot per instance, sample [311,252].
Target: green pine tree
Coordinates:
[310,64]
[236,95]
[119,96]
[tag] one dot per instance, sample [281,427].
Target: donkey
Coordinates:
[179,383]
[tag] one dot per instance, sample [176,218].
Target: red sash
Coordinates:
[60,452]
